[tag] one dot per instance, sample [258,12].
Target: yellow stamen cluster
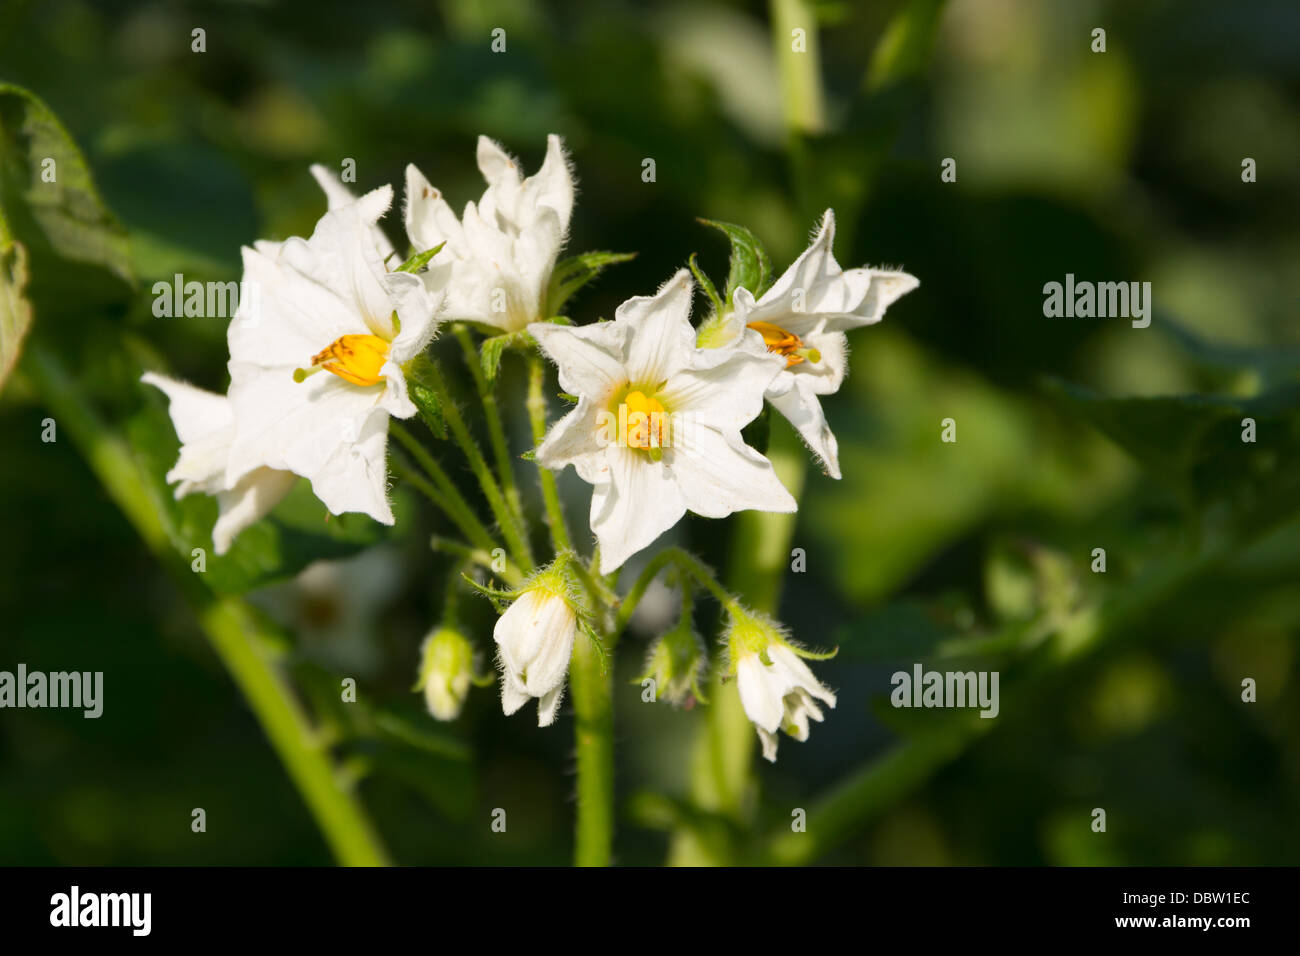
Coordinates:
[646,421]
[785,343]
[353,358]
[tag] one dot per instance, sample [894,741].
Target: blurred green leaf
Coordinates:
[15,310]
[47,196]
[1194,443]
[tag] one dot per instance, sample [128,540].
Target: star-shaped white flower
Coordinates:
[647,473]
[502,250]
[316,359]
[803,317]
[205,424]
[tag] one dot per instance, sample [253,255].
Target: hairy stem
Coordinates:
[512,529]
[593,706]
[537,417]
[496,430]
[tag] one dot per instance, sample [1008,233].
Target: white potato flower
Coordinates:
[317,367]
[777,689]
[656,430]
[503,249]
[205,424]
[803,317]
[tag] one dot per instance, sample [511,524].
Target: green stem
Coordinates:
[496,430]
[799,65]
[511,528]
[722,776]
[241,638]
[537,417]
[444,494]
[593,706]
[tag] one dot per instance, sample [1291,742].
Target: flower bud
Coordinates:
[446,671]
[535,642]
[675,663]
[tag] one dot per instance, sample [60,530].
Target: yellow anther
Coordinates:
[354,358]
[785,343]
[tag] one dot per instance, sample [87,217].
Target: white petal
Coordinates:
[637,502]
[803,410]
[573,440]
[762,703]
[726,394]
[497,166]
[417,308]
[815,288]
[660,338]
[589,357]
[336,195]
[429,220]
[552,186]
[248,502]
[341,256]
[719,474]
[556,626]
[325,429]
[769,741]
[195,412]
[799,673]
[513,695]
[549,705]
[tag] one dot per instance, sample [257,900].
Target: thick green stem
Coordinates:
[794,33]
[512,529]
[593,706]
[550,494]
[240,637]
[496,430]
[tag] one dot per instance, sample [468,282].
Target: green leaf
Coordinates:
[751,266]
[420,259]
[47,197]
[15,310]
[573,273]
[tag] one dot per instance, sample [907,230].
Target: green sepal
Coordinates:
[424,396]
[420,259]
[573,273]
[706,284]
[751,266]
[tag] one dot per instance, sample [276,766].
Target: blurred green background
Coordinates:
[1119,690]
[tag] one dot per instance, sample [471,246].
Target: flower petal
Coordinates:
[660,337]
[719,474]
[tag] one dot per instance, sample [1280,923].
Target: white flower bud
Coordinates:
[535,642]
